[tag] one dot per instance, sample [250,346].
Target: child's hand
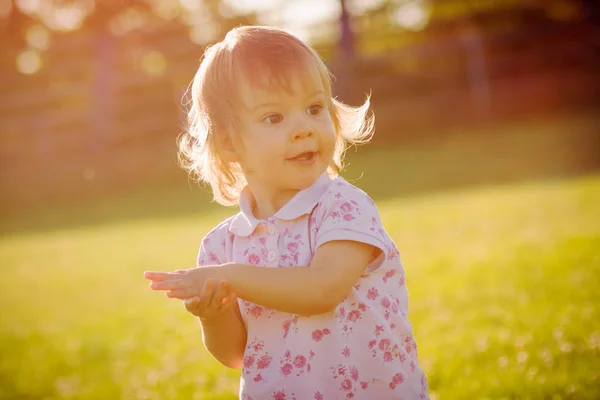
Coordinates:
[183,284]
[214,301]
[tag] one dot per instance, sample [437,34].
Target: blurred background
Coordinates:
[485,165]
[92,91]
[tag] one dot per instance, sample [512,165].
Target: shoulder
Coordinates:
[213,244]
[346,197]
[219,232]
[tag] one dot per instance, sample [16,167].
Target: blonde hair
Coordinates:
[214,98]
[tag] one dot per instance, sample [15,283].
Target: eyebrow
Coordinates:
[272,104]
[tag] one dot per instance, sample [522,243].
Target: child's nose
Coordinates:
[303,134]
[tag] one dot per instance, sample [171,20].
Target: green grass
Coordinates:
[503,278]
[503,283]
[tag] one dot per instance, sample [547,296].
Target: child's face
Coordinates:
[287,137]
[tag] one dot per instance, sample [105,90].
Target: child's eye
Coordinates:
[272,119]
[315,109]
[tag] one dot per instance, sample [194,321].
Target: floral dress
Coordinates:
[364,348]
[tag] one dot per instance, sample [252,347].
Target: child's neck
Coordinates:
[267,203]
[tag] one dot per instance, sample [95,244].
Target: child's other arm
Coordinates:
[316,289]
[225,337]
[223,332]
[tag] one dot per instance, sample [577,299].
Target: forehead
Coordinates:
[272,85]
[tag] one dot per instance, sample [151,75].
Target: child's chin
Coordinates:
[306,182]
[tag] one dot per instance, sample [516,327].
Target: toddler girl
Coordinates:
[321,306]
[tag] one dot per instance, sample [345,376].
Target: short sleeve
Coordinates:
[212,248]
[348,213]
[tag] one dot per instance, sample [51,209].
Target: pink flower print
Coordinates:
[378,329]
[299,361]
[286,369]
[388,275]
[372,343]
[402,281]
[286,327]
[354,373]
[292,247]
[385,302]
[400,355]
[342,312]
[349,217]
[263,362]
[387,356]
[350,395]
[372,293]
[395,308]
[287,354]
[317,335]
[346,352]
[384,344]
[364,385]
[338,195]
[256,310]
[346,207]
[353,315]
[249,361]
[412,366]
[398,378]
[288,324]
[362,306]
[318,396]
[326,331]
[212,258]
[341,370]
[253,259]
[279,395]
[346,384]
[258,346]
[258,378]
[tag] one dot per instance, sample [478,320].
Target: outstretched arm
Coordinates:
[314,289]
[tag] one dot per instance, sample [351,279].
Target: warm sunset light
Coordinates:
[154,63]
[454,255]
[38,37]
[29,62]
[412,15]
[5,8]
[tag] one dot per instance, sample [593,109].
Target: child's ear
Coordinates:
[228,149]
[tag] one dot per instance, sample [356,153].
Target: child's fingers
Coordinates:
[220,293]
[229,301]
[190,303]
[206,294]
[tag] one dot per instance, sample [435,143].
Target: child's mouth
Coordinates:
[307,157]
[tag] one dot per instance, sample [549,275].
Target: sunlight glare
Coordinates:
[29,62]
[166,10]
[154,63]
[38,37]
[190,5]
[126,21]
[203,33]
[413,15]
[29,6]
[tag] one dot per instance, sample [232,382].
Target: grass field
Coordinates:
[503,282]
